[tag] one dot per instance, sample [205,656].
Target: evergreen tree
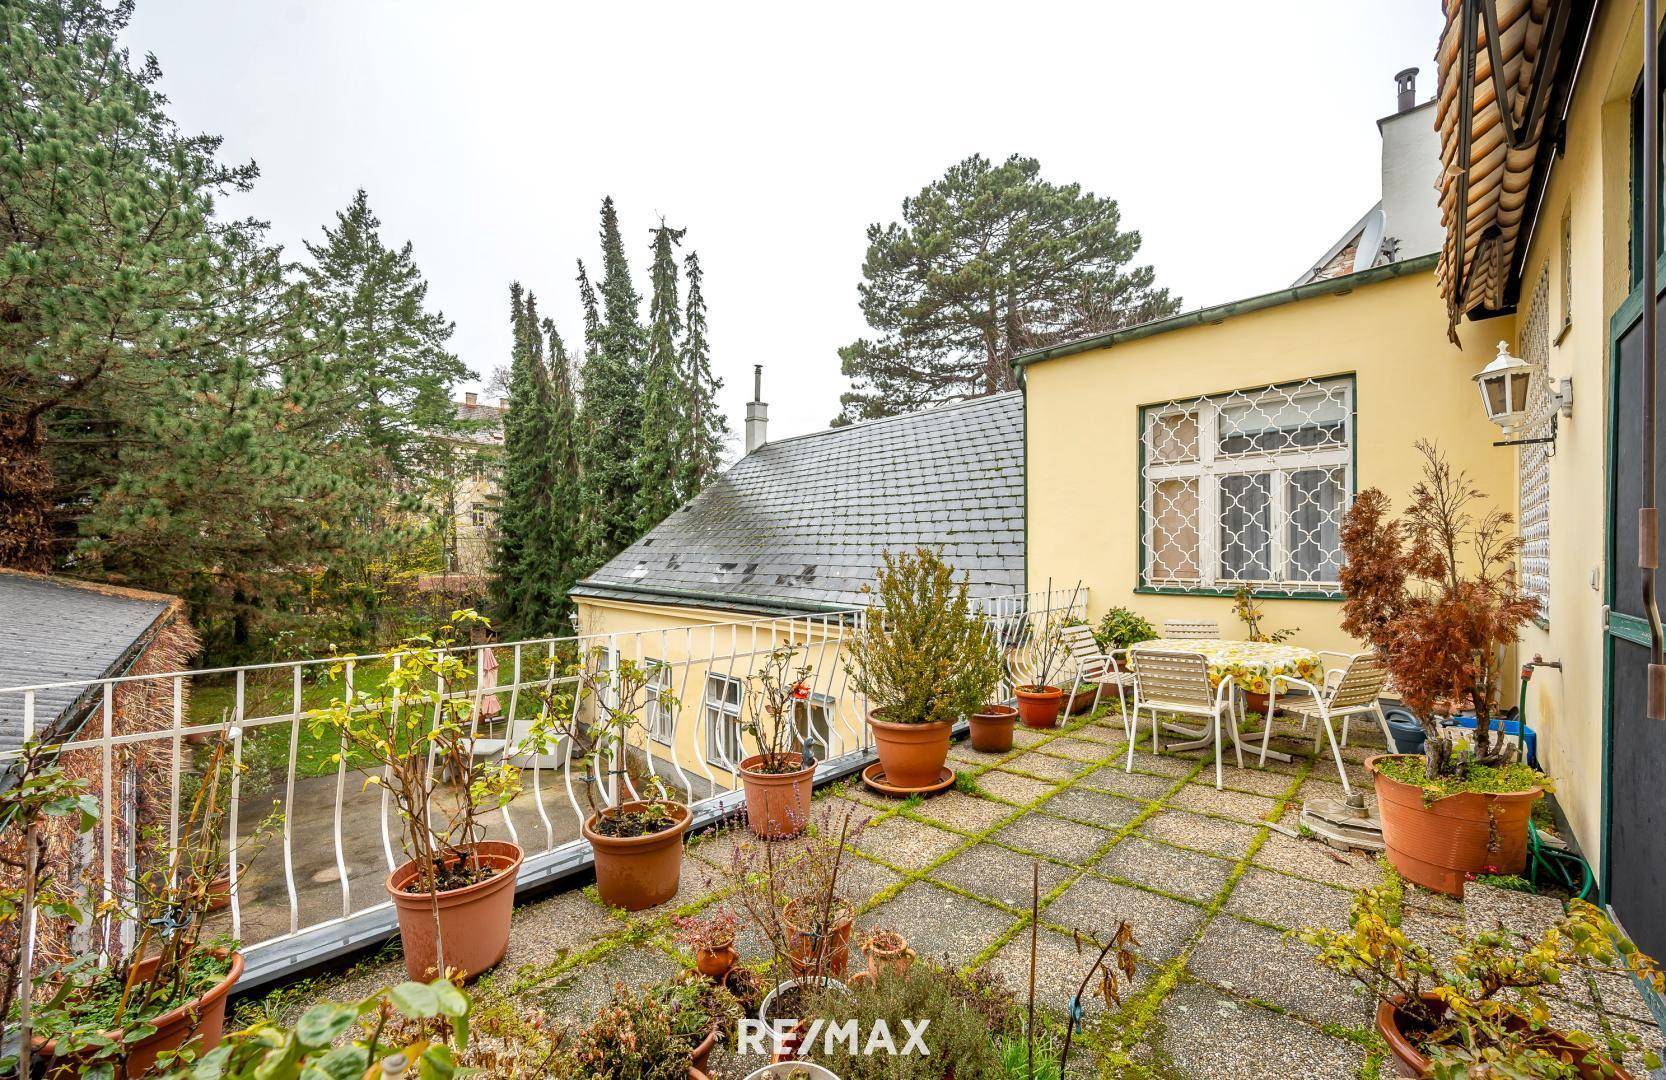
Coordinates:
[565,500]
[706,430]
[611,409]
[391,352]
[661,454]
[518,588]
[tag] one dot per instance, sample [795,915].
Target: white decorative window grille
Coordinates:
[661,719]
[1248,488]
[723,732]
[1534,465]
[815,720]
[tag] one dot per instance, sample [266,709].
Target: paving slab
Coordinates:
[1215,835]
[1289,902]
[1047,767]
[1135,785]
[1059,968]
[1259,781]
[965,813]
[1252,961]
[1201,797]
[560,925]
[1191,874]
[995,873]
[1319,862]
[1067,841]
[1094,807]
[940,924]
[910,845]
[961,753]
[1094,907]
[1028,736]
[1015,789]
[1161,764]
[1078,749]
[585,989]
[1488,908]
[860,878]
[1202,1034]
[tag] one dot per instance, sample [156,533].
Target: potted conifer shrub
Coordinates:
[456,892]
[637,837]
[780,778]
[991,725]
[914,658]
[1434,592]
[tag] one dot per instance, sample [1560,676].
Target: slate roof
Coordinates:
[801,523]
[54,629]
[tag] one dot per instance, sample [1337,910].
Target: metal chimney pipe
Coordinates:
[1405,84]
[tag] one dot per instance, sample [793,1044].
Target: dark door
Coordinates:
[1634,863]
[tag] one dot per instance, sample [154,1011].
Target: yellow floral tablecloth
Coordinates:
[1249,664]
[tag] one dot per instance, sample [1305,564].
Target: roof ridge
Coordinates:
[948,406]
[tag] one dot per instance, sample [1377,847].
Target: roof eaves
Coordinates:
[662,593]
[1203,316]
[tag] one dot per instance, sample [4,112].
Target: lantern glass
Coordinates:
[1492,390]
[1518,391]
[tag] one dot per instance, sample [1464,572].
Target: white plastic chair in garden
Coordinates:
[1100,669]
[1178,682]
[1191,628]
[1355,691]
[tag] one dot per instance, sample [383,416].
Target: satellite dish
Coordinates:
[1370,241]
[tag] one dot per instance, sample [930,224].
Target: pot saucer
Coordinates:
[874,777]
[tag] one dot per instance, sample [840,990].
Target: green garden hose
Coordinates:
[1564,868]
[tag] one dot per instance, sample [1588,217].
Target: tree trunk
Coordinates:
[25,495]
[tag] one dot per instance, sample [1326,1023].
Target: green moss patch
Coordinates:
[1485,779]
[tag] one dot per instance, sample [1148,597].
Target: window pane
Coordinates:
[1313,500]
[1284,420]
[1174,530]
[1246,527]
[1173,437]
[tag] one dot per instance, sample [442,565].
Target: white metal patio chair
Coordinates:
[1191,628]
[1352,693]
[1178,682]
[1096,668]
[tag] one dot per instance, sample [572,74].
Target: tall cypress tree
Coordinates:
[611,416]
[659,458]
[517,589]
[565,501]
[705,428]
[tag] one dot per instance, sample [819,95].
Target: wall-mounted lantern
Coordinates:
[1507,385]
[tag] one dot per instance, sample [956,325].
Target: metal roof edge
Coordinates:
[1328,287]
[665,592]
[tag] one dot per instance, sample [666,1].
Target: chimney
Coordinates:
[503,404]
[1405,83]
[470,399]
[757,413]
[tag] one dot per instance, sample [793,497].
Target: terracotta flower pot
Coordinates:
[803,947]
[992,728]
[889,961]
[1080,702]
[474,920]
[219,890]
[201,1022]
[700,1056]
[912,755]
[637,872]
[777,804]
[1410,1062]
[714,963]
[1438,845]
[1039,707]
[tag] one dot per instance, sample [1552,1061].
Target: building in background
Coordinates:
[470,493]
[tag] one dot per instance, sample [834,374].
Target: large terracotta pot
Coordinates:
[992,728]
[1438,845]
[202,1021]
[803,947]
[777,804]
[474,920]
[1081,701]
[912,755]
[1039,706]
[1408,1061]
[637,872]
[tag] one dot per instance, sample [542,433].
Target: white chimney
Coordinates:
[757,413]
[470,399]
[1411,167]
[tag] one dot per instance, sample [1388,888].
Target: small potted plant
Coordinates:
[455,893]
[1435,594]
[887,952]
[1484,1014]
[909,657]
[637,837]
[1249,612]
[663,1032]
[991,725]
[711,937]
[780,777]
[1039,700]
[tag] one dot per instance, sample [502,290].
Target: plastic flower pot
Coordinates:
[992,728]
[1440,844]
[912,755]
[1038,706]
[637,872]
[474,920]
[766,1009]
[777,804]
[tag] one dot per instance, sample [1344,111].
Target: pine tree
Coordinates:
[521,524]
[611,411]
[705,428]
[565,501]
[660,456]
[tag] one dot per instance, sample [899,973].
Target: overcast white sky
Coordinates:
[1238,138]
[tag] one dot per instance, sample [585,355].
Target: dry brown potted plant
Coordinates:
[455,893]
[915,657]
[637,837]
[1434,592]
[780,778]
[1483,1014]
[887,952]
[1039,700]
[711,938]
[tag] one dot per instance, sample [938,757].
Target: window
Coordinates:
[815,721]
[1248,487]
[660,719]
[1533,475]
[477,515]
[723,734]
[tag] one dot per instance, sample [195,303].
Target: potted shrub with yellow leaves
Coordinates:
[1435,593]
[921,657]
[1484,1013]
[412,735]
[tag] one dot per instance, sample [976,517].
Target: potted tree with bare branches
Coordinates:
[1435,593]
[455,893]
[1039,700]
[779,778]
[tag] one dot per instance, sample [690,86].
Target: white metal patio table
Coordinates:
[1251,665]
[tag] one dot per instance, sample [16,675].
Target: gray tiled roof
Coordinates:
[801,523]
[53,629]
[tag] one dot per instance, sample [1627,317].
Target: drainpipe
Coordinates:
[1648,519]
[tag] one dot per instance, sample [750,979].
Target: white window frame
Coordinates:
[654,714]
[721,714]
[1210,466]
[815,713]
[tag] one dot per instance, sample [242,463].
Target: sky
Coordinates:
[1239,140]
